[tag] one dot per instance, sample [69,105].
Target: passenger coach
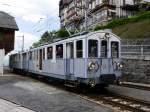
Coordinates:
[91,59]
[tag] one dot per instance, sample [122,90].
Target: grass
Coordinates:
[135,30]
[137,26]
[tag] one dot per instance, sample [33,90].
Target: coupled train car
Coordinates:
[91,59]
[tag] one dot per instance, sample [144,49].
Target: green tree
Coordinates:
[49,36]
[62,33]
[45,37]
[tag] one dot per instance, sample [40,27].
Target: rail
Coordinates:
[104,97]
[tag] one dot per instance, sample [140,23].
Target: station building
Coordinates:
[8,27]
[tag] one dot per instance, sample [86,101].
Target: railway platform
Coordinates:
[7,106]
[41,97]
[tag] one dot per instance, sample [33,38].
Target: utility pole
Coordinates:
[22,46]
[86,13]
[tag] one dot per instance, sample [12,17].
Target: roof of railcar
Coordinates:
[71,39]
[75,38]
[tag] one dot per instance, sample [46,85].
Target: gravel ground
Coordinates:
[41,97]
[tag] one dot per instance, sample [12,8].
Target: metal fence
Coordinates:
[135,48]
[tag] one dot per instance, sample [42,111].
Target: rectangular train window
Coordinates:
[59,51]
[93,48]
[37,55]
[115,49]
[30,57]
[43,53]
[49,52]
[104,49]
[34,57]
[79,47]
[70,50]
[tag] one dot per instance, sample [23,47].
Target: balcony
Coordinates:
[102,6]
[75,18]
[70,14]
[130,7]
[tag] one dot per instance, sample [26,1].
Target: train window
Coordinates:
[70,50]
[104,49]
[34,55]
[49,52]
[115,49]
[59,51]
[30,55]
[18,57]
[37,55]
[43,53]
[93,48]
[79,49]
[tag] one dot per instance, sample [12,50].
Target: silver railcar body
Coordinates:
[93,58]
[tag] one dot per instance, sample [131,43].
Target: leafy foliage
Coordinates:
[50,36]
[62,33]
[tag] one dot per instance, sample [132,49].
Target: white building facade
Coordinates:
[2,55]
[72,12]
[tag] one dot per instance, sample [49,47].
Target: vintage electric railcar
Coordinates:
[91,59]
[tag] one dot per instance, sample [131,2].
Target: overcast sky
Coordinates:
[33,17]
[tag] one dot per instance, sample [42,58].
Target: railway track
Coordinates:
[115,101]
[125,104]
[118,102]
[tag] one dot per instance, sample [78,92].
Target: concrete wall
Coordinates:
[136,69]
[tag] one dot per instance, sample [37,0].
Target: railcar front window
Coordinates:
[115,49]
[104,49]
[59,51]
[49,53]
[93,48]
[79,49]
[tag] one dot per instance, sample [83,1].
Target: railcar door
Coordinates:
[70,59]
[40,60]
[105,62]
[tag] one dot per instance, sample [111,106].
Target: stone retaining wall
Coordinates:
[136,70]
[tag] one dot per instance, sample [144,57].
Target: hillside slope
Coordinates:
[140,29]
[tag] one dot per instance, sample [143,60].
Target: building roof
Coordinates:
[7,21]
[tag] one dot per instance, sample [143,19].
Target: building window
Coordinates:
[59,51]
[97,2]
[93,48]
[49,52]
[104,49]
[79,48]
[115,49]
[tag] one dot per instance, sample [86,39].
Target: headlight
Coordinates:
[120,66]
[93,66]
[117,66]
